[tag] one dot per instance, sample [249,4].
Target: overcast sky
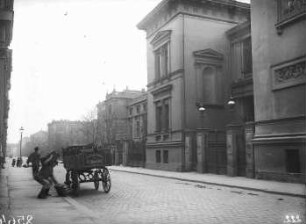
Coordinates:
[68,53]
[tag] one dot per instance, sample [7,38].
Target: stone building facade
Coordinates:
[189,69]
[279,74]
[134,149]
[240,156]
[39,139]
[137,118]
[114,116]
[6,29]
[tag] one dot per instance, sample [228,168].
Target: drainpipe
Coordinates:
[184,94]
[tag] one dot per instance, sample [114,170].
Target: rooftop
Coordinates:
[163,4]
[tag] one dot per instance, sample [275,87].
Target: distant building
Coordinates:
[6,29]
[135,154]
[12,150]
[137,118]
[38,139]
[279,66]
[65,133]
[121,118]
[188,54]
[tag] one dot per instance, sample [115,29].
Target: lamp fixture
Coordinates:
[200,107]
[231,102]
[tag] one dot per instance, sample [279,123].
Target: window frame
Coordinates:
[158,156]
[290,164]
[165,156]
[162,60]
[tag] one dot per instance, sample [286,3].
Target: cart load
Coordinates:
[85,163]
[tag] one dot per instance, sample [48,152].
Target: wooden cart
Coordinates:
[86,163]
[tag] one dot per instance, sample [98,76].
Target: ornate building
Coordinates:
[189,83]
[134,154]
[6,29]
[114,115]
[279,75]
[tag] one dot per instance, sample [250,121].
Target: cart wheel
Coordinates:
[75,184]
[96,180]
[106,180]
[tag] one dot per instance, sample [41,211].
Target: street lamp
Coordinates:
[200,107]
[231,103]
[21,130]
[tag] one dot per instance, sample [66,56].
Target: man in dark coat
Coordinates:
[34,158]
[46,178]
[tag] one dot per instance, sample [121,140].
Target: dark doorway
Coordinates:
[241,157]
[216,153]
[293,161]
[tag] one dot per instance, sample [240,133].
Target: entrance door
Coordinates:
[216,153]
[241,156]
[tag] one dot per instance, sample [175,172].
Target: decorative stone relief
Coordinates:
[289,11]
[289,74]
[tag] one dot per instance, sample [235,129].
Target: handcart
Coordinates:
[86,163]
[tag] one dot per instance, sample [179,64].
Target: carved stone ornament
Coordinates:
[289,74]
[296,71]
[289,11]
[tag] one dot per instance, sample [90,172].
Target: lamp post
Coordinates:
[21,130]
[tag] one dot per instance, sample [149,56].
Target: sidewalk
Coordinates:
[273,187]
[4,198]
[18,197]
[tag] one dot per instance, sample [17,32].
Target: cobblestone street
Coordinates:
[137,198]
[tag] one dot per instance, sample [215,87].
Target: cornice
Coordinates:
[285,119]
[208,53]
[162,89]
[155,13]
[161,36]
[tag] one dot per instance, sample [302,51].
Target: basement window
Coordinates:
[293,161]
[158,156]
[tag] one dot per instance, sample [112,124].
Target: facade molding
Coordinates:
[273,121]
[289,73]
[161,37]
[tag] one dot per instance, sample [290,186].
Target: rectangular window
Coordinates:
[131,111]
[137,128]
[162,61]
[157,156]
[2,33]
[144,107]
[166,60]
[157,65]
[165,156]
[247,56]
[159,111]
[162,116]
[293,161]
[138,109]
[166,116]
